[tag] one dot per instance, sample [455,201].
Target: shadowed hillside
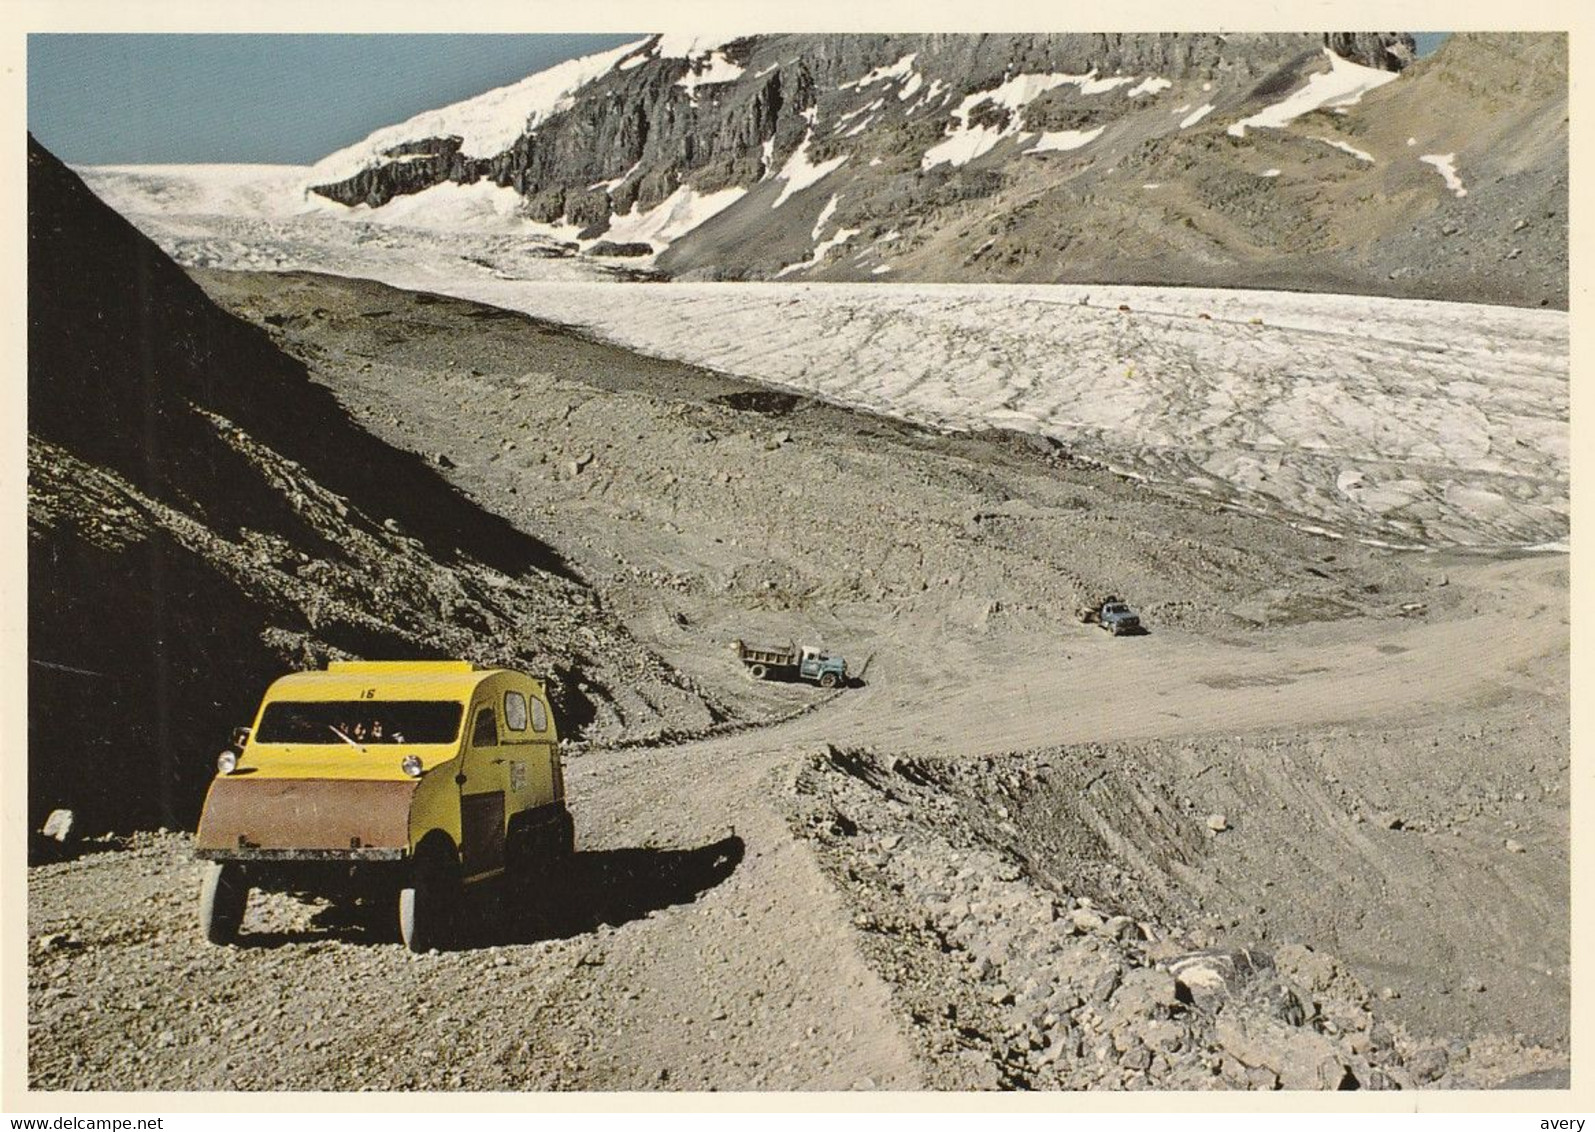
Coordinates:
[203,516]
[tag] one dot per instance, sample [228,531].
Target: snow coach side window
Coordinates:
[515,711]
[539,716]
[485,733]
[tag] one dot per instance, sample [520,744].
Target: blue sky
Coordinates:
[288,99]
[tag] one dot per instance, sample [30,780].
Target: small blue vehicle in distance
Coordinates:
[1113,615]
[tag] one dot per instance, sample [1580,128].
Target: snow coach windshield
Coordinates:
[361,721]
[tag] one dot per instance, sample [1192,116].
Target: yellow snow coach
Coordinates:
[412,778]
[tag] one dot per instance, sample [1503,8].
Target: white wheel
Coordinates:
[429,903]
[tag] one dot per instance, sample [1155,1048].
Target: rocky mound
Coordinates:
[1037,919]
[203,516]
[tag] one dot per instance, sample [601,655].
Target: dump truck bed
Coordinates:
[774,655]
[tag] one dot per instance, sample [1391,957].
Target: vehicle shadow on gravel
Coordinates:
[799,681]
[44,850]
[608,886]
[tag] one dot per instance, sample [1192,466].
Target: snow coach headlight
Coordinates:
[411,765]
[226,762]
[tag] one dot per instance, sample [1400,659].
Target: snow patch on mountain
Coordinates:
[868,110]
[1445,165]
[901,69]
[1347,147]
[1148,86]
[487,124]
[825,216]
[820,252]
[1065,139]
[965,142]
[1195,116]
[615,183]
[677,46]
[672,218]
[800,173]
[936,94]
[711,69]
[1094,85]
[1342,85]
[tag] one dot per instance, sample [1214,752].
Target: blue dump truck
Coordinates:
[789,662]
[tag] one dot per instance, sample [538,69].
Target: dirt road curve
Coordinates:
[1315,676]
[978,867]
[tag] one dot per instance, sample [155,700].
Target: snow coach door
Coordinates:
[482,795]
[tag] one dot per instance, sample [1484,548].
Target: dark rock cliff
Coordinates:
[713,136]
[1054,158]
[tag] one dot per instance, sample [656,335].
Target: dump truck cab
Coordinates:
[430,775]
[815,664]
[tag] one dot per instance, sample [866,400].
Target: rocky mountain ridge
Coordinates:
[1294,160]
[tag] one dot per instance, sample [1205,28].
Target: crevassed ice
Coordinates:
[220,190]
[1300,388]
[450,207]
